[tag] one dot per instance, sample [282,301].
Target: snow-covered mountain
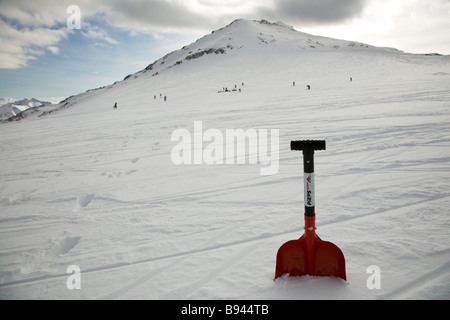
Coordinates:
[256,45]
[252,38]
[87,186]
[13,108]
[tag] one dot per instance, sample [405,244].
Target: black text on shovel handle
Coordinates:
[308,147]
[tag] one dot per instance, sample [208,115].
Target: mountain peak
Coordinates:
[250,37]
[239,35]
[263,21]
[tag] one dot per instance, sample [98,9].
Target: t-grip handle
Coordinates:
[308,147]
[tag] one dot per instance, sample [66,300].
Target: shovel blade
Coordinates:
[312,257]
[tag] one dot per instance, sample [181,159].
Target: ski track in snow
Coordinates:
[95,187]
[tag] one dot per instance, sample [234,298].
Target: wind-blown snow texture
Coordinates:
[90,186]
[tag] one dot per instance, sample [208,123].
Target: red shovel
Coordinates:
[309,255]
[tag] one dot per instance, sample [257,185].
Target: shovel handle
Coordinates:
[308,147]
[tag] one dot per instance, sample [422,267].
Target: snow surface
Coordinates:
[94,187]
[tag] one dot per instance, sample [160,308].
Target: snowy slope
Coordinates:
[94,187]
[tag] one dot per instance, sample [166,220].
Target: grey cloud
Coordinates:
[316,11]
[155,14]
[29,28]
[45,20]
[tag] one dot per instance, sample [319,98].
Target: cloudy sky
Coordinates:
[43,53]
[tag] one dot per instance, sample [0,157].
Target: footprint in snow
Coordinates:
[67,244]
[155,146]
[84,201]
[43,258]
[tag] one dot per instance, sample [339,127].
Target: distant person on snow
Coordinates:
[308,87]
[115,106]
[165,98]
